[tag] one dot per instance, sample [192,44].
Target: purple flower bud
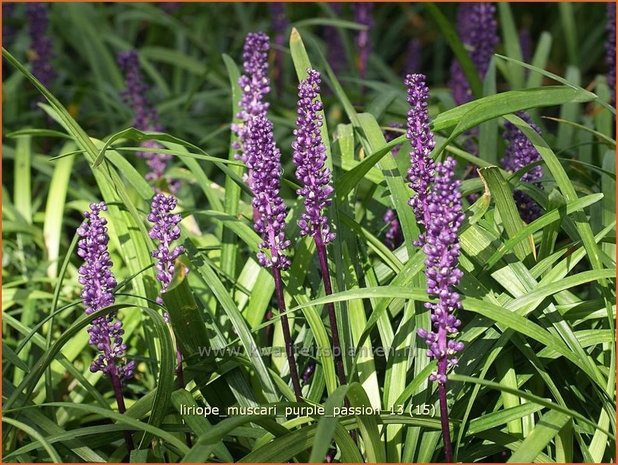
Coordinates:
[145,117]
[363,14]
[519,153]
[37,16]
[610,49]
[477,29]
[393,235]
[98,283]
[422,143]
[309,155]
[165,230]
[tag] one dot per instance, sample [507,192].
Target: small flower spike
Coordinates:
[519,153]
[165,230]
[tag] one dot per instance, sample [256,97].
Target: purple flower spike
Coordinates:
[334,45]
[519,153]
[393,232]
[363,14]
[445,215]
[477,29]
[610,49]
[165,230]
[422,142]
[310,158]
[262,158]
[98,283]
[37,15]
[254,84]
[145,117]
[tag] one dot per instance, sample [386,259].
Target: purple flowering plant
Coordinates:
[332,283]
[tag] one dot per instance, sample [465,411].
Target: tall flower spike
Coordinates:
[610,49]
[98,283]
[37,15]
[145,117]
[445,215]
[519,153]
[422,143]
[477,29]
[165,230]
[363,14]
[254,84]
[309,154]
[279,22]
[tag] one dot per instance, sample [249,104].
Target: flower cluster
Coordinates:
[519,153]
[37,15]
[393,234]
[262,158]
[145,116]
[98,283]
[441,246]
[422,143]
[610,49]
[310,157]
[254,84]
[165,230]
[363,15]
[334,45]
[477,29]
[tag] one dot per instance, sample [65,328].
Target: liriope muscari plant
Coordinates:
[309,154]
[145,118]
[519,153]
[437,206]
[98,283]
[262,157]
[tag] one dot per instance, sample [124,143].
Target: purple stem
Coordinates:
[285,326]
[446,433]
[328,290]
[117,386]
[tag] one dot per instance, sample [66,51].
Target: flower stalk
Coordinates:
[437,206]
